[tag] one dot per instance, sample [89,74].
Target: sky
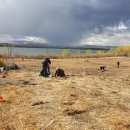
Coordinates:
[66,22]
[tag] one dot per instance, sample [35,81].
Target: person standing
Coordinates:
[45,72]
[118,64]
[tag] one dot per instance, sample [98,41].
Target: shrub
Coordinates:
[65,53]
[2,62]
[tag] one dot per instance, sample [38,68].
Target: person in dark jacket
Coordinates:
[118,64]
[45,68]
[102,68]
[59,72]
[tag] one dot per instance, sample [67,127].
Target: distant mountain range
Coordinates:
[24,43]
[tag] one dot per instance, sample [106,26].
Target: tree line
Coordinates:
[115,51]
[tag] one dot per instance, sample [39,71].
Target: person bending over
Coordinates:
[59,72]
[45,68]
[102,68]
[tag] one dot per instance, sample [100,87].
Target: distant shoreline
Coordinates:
[53,47]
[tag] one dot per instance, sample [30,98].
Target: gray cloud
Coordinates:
[65,21]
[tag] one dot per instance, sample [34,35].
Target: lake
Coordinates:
[43,51]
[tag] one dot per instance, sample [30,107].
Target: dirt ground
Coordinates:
[96,101]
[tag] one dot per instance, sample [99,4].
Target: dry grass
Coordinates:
[99,100]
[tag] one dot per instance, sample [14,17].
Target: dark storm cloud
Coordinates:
[103,13]
[61,21]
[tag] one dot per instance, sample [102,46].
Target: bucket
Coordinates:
[85,72]
[14,89]
[8,69]
[1,69]
[1,98]
[50,76]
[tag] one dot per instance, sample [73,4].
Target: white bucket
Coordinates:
[1,69]
[85,72]
[50,76]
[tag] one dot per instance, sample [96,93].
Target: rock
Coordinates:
[26,82]
[37,103]
[13,66]
[73,112]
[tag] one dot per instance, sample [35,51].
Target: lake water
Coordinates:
[43,51]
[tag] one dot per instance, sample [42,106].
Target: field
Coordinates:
[96,101]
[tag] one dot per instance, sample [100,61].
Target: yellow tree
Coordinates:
[100,52]
[119,50]
[89,52]
[65,53]
[127,49]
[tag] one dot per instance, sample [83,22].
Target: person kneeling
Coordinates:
[102,68]
[59,72]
